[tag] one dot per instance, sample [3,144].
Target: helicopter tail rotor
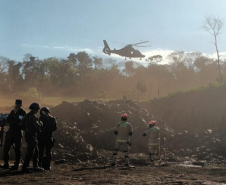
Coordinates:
[106,49]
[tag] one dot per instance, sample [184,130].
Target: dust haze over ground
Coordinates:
[52,53]
[85,140]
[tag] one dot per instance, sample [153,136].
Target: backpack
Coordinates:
[49,125]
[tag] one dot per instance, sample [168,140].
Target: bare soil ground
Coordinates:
[66,174]
[100,135]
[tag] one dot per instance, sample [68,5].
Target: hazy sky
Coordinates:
[47,28]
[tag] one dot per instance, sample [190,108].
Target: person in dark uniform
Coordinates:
[14,135]
[45,139]
[32,128]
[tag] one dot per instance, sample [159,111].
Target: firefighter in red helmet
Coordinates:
[153,133]
[123,131]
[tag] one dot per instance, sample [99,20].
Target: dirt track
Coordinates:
[65,174]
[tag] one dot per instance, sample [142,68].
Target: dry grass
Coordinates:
[5,101]
[8,101]
[53,101]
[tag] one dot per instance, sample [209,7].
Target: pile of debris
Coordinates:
[102,115]
[70,145]
[86,127]
[208,145]
[91,123]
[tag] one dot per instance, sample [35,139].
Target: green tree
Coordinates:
[98,62]
[14,77]
[27,57]
[155,59]
[129,68]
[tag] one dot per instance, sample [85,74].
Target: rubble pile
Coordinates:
[96,120]
[208,145]
[86,127]
[70,145]
[102,115]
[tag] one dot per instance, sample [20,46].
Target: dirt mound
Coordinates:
[94,114]
[70,145]
[92,122]
[85,127]
[208,145]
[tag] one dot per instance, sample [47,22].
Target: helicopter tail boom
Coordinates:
[106,49]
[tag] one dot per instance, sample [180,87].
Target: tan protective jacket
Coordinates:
[123,129]
[154,135]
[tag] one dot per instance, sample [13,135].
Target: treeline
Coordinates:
[93,77]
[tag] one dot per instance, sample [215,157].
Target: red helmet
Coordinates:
[124,115]
[152,122]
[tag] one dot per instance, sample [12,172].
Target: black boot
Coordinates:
[38,169]
[5,166]
[48,168]
[14,167]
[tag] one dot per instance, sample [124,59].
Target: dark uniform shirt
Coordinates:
[15,119]
[49,125]
[31,125]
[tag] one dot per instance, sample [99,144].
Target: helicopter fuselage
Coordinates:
[128,51]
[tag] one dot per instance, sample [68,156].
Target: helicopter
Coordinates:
[128,51]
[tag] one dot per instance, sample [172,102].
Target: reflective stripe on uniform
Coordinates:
[122,141]
[153,144]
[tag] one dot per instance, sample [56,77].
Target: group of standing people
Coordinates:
[124,131]
[38,136]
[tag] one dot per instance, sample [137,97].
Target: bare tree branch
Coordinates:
[214,26]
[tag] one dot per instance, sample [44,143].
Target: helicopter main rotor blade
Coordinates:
[139,43]
[143,46]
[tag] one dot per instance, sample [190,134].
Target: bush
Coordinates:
[31,94]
